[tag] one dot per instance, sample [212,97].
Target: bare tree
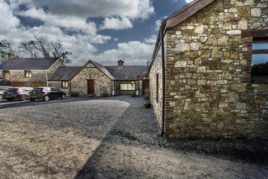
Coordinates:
[27,49]
[45,48]
[58,52]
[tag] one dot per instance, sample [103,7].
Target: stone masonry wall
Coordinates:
[206,91]
[18,77]
[156,68]
[103,84]
[39,77]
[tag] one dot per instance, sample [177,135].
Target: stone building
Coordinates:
[96,79]
[90,79]
[129,80]
[29,71]
[201,85]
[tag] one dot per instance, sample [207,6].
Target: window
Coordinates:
[127,86]
[157,87]
[6,75]
[259,65]
[65,84]
[28,74]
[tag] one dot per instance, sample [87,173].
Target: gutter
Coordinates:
[162,33]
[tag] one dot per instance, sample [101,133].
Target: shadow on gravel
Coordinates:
[135,127]
[133,130]
[250,151]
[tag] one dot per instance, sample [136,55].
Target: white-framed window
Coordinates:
[28,74]
[65,84]
[127,86]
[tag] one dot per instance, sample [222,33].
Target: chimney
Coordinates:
[120,63]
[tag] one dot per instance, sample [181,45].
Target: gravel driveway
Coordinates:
[99,138]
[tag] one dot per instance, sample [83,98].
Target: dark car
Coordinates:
[14,93]
[4,82]
[3,89]
[46,94]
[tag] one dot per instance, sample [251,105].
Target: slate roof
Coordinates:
[127,72]
[65,73]
[28,64]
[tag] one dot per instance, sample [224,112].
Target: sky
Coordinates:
[101,30]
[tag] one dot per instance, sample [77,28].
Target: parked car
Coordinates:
[2,90]
[46,93]
[4,82]
[17,93]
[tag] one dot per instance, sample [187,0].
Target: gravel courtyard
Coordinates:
[99,138]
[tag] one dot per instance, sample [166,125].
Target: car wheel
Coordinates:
[46,98]
[32,100]
[63,96]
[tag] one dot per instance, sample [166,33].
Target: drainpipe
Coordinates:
[163,77]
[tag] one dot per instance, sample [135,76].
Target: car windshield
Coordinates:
[12,89]
[37,89]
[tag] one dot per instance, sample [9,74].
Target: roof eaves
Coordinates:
[186,12]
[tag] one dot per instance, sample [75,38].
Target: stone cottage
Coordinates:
[29,71]
[96,79]
[201,85]
[90,79]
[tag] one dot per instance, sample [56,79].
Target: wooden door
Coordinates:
[90,87]
[145,86]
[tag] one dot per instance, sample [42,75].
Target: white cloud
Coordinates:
[81,43]
[134,52]
[8,21]
[188,1]
[91,8]
[116,23]
[73,23]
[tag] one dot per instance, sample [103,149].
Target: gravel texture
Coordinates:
[100,138]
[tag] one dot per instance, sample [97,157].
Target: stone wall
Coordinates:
[156,68]
[103,84]
[17,77]
[39,77]
[207,94]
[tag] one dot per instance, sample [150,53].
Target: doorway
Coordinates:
[90,87]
